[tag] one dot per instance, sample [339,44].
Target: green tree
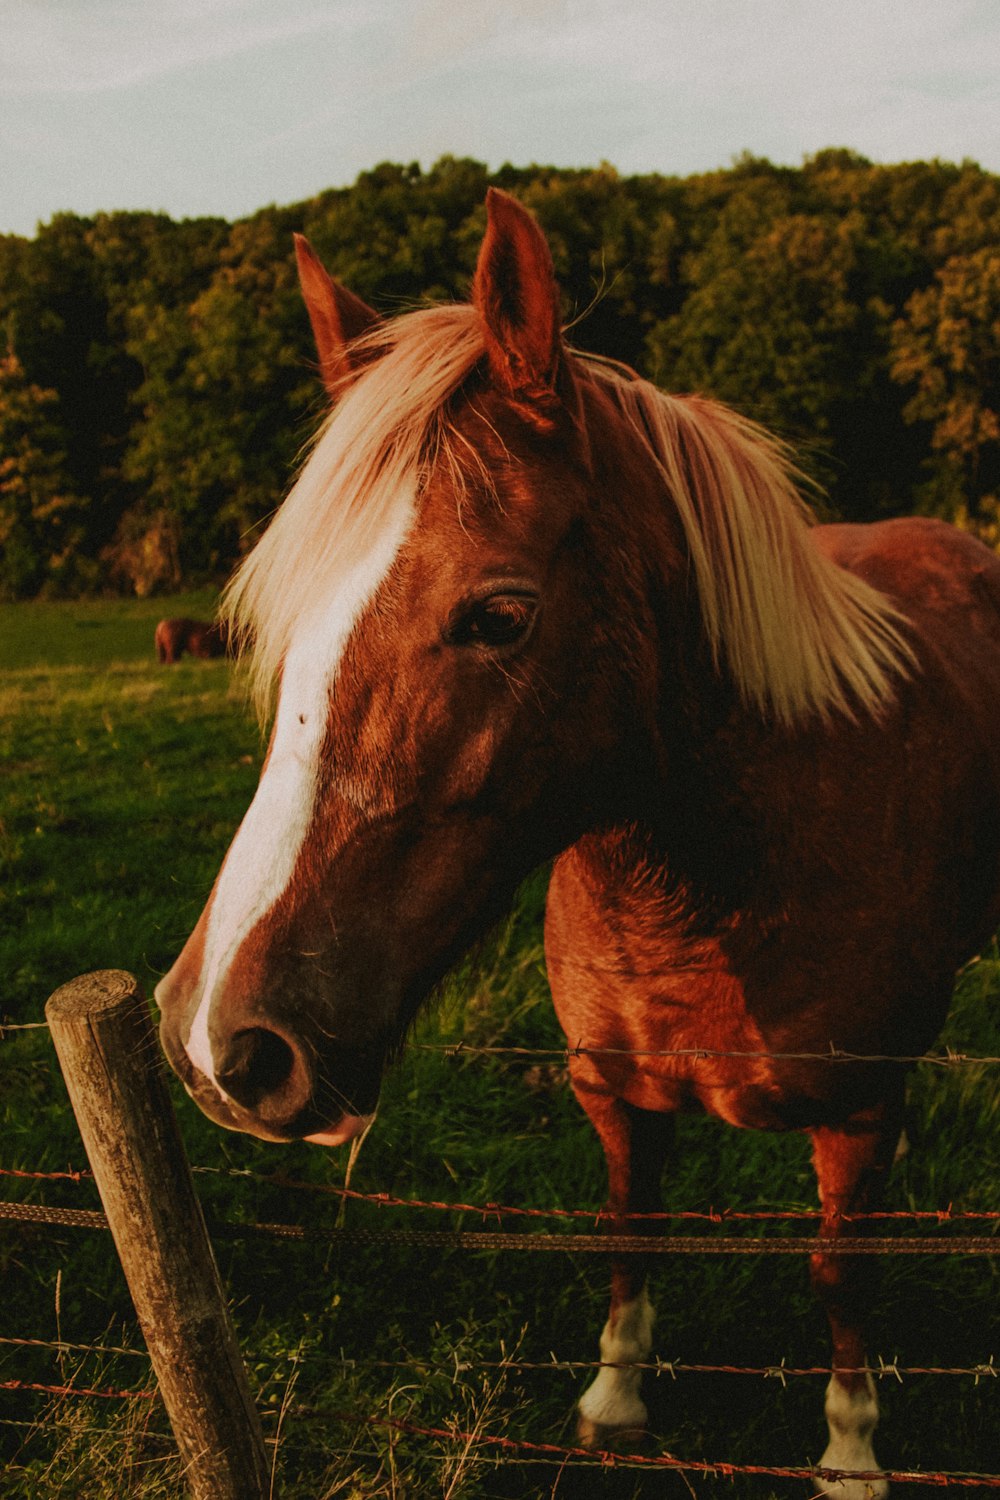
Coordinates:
[220,411]
[172,361]
[398,236]
[947,350]
[775,328]
[40,516]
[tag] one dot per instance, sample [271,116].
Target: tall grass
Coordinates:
[122,784]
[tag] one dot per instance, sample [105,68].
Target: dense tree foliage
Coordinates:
[37,507]
[156,378]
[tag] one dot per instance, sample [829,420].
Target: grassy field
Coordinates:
[122,785]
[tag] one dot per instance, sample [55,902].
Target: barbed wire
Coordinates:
[494,1240]
[81,1175]
[627,1244]
[604,1458]
[568,1051]
[518,1450]
[64,1346]
[52,1217]
[497,1240]
[498,1211]
[40,1388]
[491,1210]
[525,1450]
[38,1424]
[881,1370]
[625,971]
[35,1426]
[604,1244]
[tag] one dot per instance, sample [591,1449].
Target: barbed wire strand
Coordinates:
[603,1458]
[883,1369]
[494,1210]
[594,1244]
[566,1053]
[64,1346]
[82,1175]
[622,1244]
[38,1387]
[490,1209]
[39,1424]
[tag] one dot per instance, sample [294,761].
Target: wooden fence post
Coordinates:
[111,1061]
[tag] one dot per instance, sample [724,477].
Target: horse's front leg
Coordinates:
[636,1144]
[851,1165]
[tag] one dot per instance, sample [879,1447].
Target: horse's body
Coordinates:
[199,637]
[864,868]
[547,610]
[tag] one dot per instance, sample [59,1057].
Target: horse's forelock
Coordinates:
[360,481]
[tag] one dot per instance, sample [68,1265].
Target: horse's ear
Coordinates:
[336,315]
[516,293]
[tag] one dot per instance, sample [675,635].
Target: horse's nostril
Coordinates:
[257,1063]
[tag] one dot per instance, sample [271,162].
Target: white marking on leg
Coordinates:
[613,1400]
[851,1417]
[263,855]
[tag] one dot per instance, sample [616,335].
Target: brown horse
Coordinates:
[200,638]
[523,604]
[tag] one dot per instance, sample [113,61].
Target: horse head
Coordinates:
[447,614]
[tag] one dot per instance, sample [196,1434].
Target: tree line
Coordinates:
[157,379]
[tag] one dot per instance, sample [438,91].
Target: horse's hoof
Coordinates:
[597,1437]
[852,1416]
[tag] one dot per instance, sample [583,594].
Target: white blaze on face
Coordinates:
[264,853]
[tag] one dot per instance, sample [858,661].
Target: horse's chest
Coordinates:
[660,1020]
[679,1040]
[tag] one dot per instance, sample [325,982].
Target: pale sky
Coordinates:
[223,106]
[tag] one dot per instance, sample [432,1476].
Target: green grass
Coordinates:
[89,632]
[123,783]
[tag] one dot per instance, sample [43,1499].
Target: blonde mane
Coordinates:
[797,634]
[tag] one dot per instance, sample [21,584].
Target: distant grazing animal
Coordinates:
[199,637]
[522,604]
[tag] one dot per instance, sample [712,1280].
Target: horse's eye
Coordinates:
[500,620]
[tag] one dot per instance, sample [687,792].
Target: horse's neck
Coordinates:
[688,795]
[709,792]
[698,817]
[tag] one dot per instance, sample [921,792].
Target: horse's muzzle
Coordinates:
[267,1084]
